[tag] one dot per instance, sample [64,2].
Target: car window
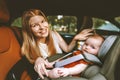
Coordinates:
[104,25]
[63,24]
[117,19]
[17,22]
[68,24]
[60,23]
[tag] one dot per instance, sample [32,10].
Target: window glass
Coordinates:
[63,24]
[104,25]
[17,22]
[118,19]
[60,23]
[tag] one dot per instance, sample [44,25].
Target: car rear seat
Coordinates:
[11,59]
[9,51]
[9,45]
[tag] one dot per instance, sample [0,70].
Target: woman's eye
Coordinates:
[42,21]
[34,25]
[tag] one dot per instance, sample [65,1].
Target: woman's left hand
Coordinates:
[83,35]
[40,67]
[49,64]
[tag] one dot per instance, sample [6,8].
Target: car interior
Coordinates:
[68,17]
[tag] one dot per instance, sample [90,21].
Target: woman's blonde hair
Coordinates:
[30,47]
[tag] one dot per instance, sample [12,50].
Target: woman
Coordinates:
[39,42]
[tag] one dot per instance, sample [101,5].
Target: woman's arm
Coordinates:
[83,35]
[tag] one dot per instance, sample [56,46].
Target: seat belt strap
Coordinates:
[86,56]
[69,60]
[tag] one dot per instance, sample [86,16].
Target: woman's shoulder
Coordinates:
[58,36]
[55,33]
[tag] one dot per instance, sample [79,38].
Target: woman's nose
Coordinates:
[41,26]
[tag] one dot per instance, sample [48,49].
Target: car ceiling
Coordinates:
[101,9]
[79,7]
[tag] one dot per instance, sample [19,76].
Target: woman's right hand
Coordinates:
[40,67]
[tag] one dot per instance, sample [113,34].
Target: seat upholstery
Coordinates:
[9,51]
[4,14]
[9,45]
[5,40]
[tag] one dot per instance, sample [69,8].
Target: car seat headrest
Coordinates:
[4,40]
[4,14]
[105,47]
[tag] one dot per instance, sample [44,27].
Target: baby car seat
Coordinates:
[106,71]
[108,56]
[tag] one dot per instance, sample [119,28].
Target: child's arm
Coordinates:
[73,70]
[54,73]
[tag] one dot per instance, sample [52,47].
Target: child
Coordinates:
[91,45]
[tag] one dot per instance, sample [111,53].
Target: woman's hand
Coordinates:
[40,67]
[49,64]
[83,35]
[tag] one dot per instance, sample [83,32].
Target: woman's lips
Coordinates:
[43,31]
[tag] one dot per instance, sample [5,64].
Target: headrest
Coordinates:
[4,14]
[105,47]
[4,39]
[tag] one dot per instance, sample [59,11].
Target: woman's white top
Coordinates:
[44,48]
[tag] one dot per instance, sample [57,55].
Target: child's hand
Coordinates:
[64,72]
[54,73]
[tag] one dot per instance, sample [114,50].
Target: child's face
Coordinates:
[92,45]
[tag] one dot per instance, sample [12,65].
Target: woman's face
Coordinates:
[39,26]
